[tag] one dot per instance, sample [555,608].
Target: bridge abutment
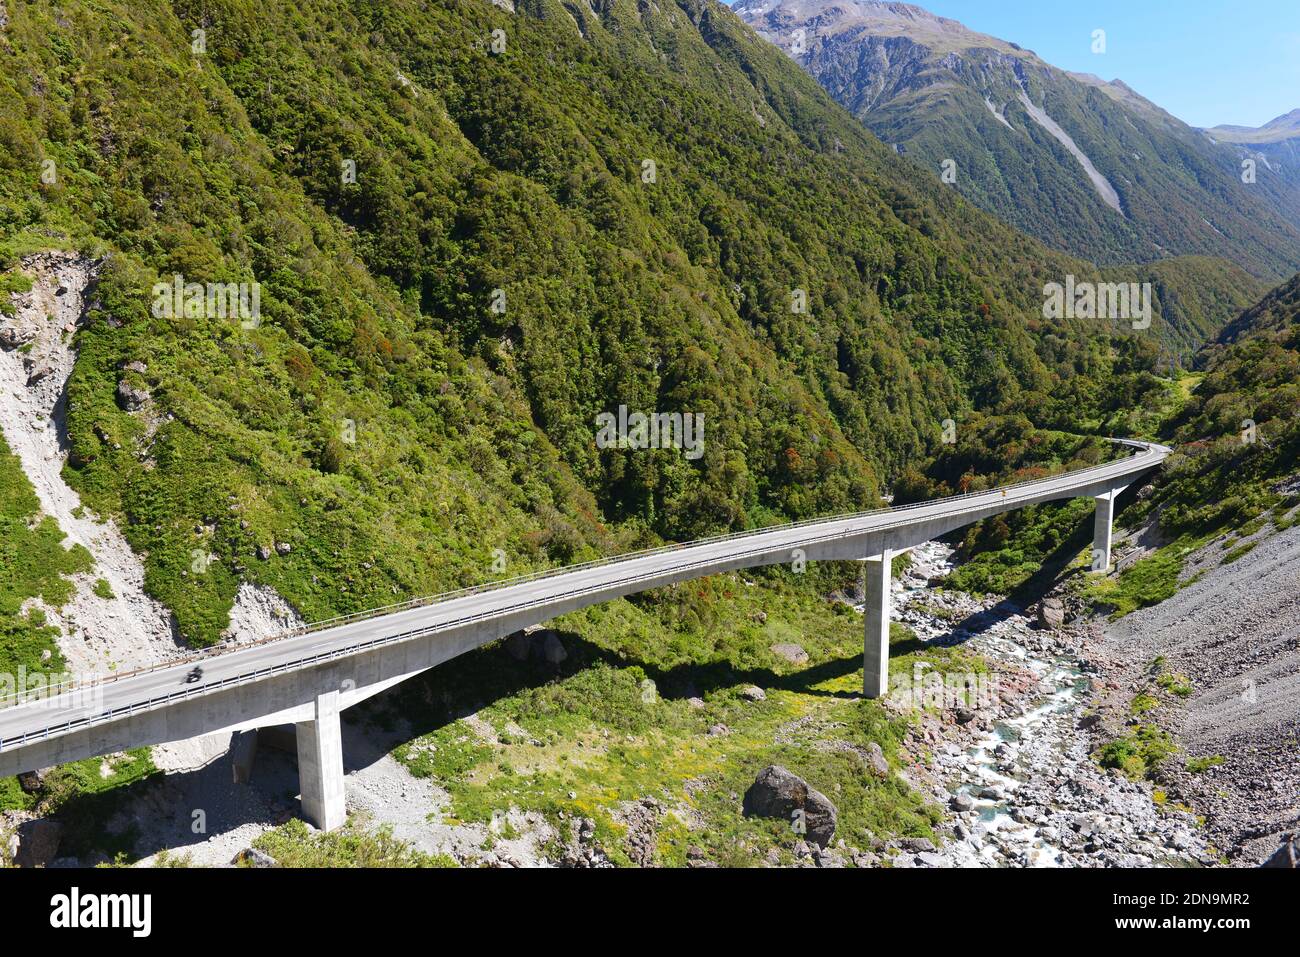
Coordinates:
[875,649]
[320,765]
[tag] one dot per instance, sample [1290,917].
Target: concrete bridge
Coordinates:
[307,677]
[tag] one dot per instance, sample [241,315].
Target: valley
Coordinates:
[766,477]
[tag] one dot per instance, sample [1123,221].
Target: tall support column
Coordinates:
[1102,529]
[320,765]
[875,649]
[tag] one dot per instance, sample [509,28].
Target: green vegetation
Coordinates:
[293,845]
[10,284]
[33,564]
[1146,582]
[1008,552]
[394,429]
[1201,765]
[1138,753]
[1238,439]
[1144,703]
[85,796]
[628,715]
[1176,684]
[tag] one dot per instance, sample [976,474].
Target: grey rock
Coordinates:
[1051,613]
[32,781]
[518,645]
[791,652]
[252,857]
[778,793]
[917,845]
[753,693]
[552,649]
[876,760]
[961,802]
[131,398]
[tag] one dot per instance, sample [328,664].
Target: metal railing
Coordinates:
[1129,465]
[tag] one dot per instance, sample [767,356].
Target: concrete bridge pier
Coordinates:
[320,765]
[875,649]
[1102,529]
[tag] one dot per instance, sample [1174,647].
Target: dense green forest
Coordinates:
[1239,433]
[1235,428]
[622,205]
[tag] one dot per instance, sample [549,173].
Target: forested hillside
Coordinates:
[1240,430]
[621,204]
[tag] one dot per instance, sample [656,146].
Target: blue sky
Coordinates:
[1205,61]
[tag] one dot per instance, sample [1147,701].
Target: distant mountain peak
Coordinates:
[777,21]
[1284,127]
[1087,165]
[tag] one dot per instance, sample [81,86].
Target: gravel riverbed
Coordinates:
[1015,770]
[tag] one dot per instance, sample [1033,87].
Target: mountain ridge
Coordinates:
[944,93]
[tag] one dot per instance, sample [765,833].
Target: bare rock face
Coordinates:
[32,782]
[876,760]
[778,793]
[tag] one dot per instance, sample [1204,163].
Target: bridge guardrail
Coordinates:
[341,620]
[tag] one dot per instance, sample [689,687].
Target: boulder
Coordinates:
[753,693]
[1051,613]
[38,842]
[252,857]
[961,802]
[518,645]
[131,398]
[552,649]
[876,760]
[778,793]
[791,652]
[11,339]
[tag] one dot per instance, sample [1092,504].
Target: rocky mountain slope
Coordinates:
[1086,165]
